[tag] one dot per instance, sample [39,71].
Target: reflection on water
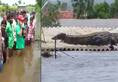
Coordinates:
[83,67]
[23,68]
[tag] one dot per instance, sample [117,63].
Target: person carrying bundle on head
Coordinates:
[20,34]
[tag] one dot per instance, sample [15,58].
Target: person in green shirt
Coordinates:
[9,31]
[20,40]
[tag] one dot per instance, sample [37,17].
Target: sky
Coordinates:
[10,2]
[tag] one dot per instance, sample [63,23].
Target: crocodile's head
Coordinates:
[60,36]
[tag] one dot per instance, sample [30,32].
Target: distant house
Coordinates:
[21,7]
[66,14]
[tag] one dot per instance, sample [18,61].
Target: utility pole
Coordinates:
[40,5]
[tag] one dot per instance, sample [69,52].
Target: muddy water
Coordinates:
[25,68]
[81,67]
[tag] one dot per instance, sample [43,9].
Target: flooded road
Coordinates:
[25,68]
[81,67]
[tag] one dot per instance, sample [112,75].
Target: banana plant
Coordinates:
[39,7]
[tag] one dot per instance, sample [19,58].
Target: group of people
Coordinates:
[17,31]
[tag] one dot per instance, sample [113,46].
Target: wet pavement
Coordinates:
[81,67]
[25,68]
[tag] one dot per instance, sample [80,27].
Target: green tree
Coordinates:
[0,2]
[19,2]
[102,10]
[30,8]
[83,8]
[89,8]
[16,4]
[114,8]
[80,9]
[51,18]
[63,6]
[38,6]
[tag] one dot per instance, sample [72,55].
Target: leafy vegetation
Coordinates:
[51,17]
[89,9]
[50,13]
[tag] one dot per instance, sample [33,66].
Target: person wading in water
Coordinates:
[20,32]
[5,39]
[9,31]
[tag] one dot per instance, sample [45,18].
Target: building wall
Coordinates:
[66,14]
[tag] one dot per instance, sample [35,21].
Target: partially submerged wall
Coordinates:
[49,32]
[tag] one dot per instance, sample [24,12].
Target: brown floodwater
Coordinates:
[25,68]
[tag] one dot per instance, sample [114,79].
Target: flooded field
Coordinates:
[25,68]
[81,67]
